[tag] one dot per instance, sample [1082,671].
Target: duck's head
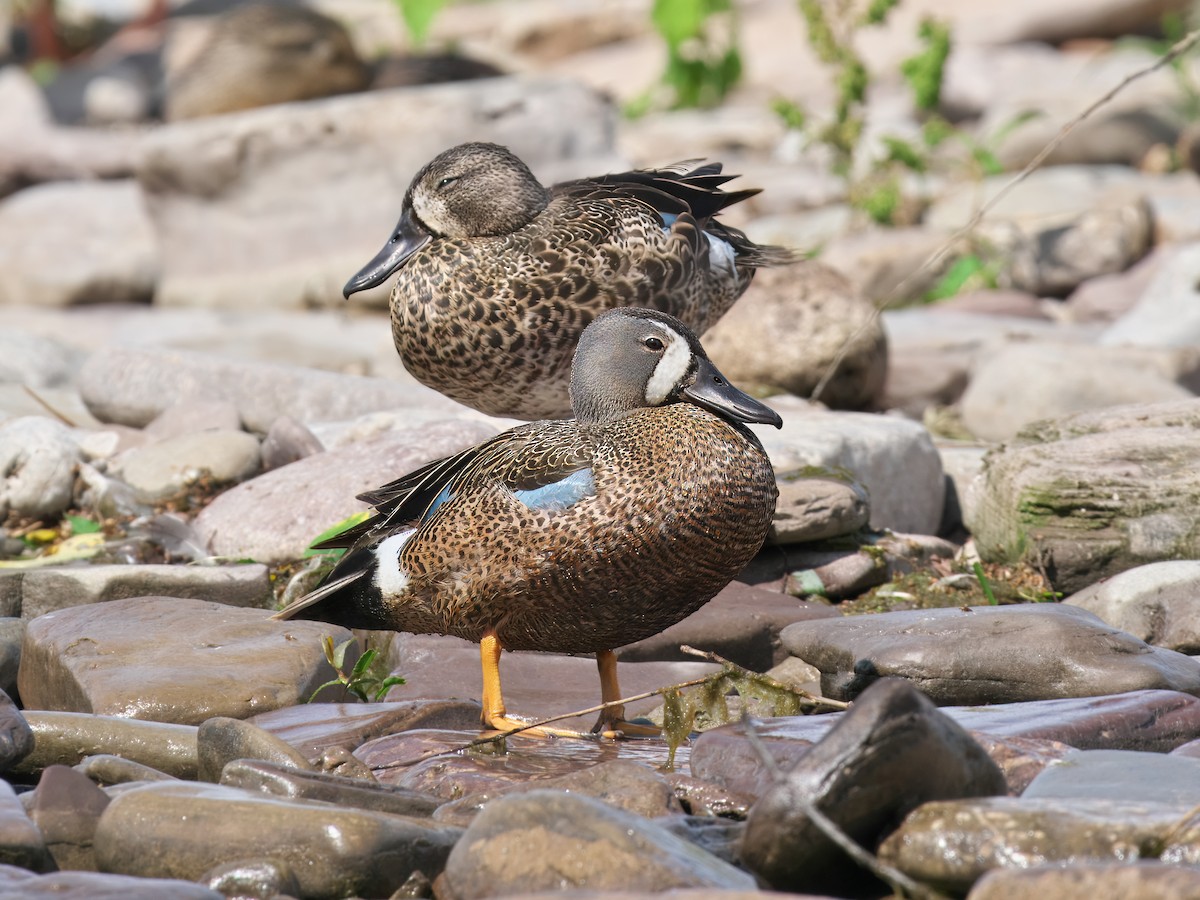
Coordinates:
[632,358]
[472,190]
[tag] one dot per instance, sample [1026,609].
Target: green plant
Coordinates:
[703,60]
[984,584]
[418,16]
[367,680]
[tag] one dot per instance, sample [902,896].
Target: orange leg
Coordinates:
[495,716]
[611,723]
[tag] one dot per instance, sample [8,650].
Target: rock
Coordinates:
[222,740]
[16,737]
[846,568]
[543,840]
[66,808]
[997,302]
[892,458]
[1087,496]
[170,660]
[952,843]
[21,843]
[1165,314]
[124,385]
[66,738]
[49,589]
[277,516]
[286,781]
[315,729]
[1031,21]
[987,654]
[962,463]
[76,242]
[818,507]
[1121,775]
[176,830]
[12,633]
[260,878]
[791,325]
[1122,880]
[1058,228]
[742,624]
[1155,603]
[881,261]
[35,361]
[96,886]
[1023,382]
[1106,298]
[106,769]
[889,754]
[287,440]
[164,469]
[235,233]
[37,458]
[190,417]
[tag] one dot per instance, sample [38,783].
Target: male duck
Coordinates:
[578,535]
[499,276]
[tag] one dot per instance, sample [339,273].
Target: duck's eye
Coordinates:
[652,343]
[447,181]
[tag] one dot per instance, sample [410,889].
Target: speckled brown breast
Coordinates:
[493,322]
[683,502]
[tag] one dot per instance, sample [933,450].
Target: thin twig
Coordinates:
[935,258]
[881,870]
[45,404]
[766,679]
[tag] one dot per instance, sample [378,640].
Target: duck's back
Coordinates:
[675,502]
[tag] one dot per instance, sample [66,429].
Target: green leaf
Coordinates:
[925,71]
[956,277]
[877,12]
[984,583]
[364,663]
[418,16]
[83,525]
[901,151]
[792,113]
[386,685]
[339,653]
[333,531]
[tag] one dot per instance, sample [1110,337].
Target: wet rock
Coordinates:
[66,808]
[987,654]
[1141,880]
[316,728]
[894,459]
[193,416]
[163,469]
[620,784]
[815,508]
[742,624]
[1087,496]
[21,843]
[66,738]
[1021,759]
[889,754]
[170,660]
[720,837]
[124,385]
[952,843]
[555,841]
[705,798]
[258,879]
[1120,775]
[47,590]
[1155,603]
[222,740]
[177,830]
[96,886]
[287,440]
[1059,227]
[12,633]
[791,325]
[275,517]
[16,738]
[287,781]
[1021,383]
[222,191]
[38,457]
[106,769]
[1165,313]
[76,242]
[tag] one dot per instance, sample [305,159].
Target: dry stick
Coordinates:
[734,667]
[1179,48]
[62,417]
[881,870]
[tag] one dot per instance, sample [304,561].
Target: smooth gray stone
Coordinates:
[21,843]
[1120,775]
[106,769]
[565,842]
[50,589]
[12,634]
[166,468]
[284,781]
[1123,880]
[17,882]
[40,455]
[66,808]
[253,879]
[220,740]
[66,738]
[176,830]
[1155,602]
[16,737]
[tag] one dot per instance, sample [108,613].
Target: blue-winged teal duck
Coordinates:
[577,535]
[498,276]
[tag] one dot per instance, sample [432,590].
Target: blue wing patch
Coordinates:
[668,220]
[437,502]
[561,494]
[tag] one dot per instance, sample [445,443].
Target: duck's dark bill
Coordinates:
[409,237]
[713,392]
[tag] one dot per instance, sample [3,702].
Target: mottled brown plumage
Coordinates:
[498,276]
[579,535]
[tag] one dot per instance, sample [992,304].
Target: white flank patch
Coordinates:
[720,254]
[389,577]
[671,368]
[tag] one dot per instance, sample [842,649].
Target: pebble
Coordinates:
[222,740]
[1140,880]
[818,507]
[281,780]
[168,467]
[12,633]
[208,660]
[191,417]
[1155,603]
[1165,313]
[38,456]
[286,441]
[66,738]
[98,886]
[66,808]
[21,842]
[35,361]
